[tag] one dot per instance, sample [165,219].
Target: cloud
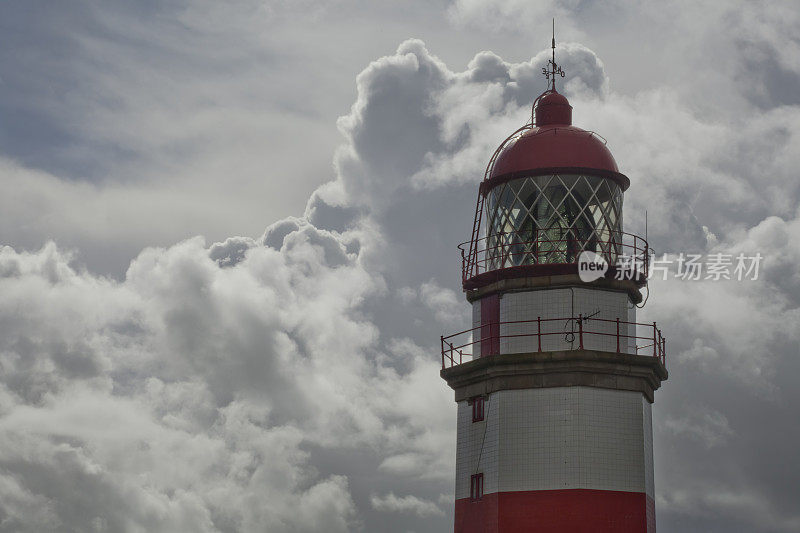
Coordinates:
[706,501]
[290,381]
[131,126]
[179,398]
[710,427]
[509,15]
[405,504]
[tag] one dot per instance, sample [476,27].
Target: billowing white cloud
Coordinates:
[405,504]
[181,397]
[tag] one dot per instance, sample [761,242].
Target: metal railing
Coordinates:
[582,330]
[509,249]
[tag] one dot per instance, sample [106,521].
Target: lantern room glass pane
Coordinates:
[552,219]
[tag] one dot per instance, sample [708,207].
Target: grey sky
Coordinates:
[168,364]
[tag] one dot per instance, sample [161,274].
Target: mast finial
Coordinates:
[553,69]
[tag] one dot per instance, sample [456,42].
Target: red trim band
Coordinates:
[557,511]
[617,177]
[533,271]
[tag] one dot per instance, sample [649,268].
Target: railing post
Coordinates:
[443,367]
[539,331]
[580,331]
[617,334]
[655,340]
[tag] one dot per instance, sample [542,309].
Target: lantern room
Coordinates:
[551,191]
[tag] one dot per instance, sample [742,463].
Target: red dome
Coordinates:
[553,144]
[552,108]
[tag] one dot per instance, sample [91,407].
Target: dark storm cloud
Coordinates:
[231,252]
[330,217]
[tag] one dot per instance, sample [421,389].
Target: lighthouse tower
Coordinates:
[555,380]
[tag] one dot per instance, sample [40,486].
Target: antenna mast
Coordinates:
[552,70]
[553,61]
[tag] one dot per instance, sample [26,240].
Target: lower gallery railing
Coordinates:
[553,334]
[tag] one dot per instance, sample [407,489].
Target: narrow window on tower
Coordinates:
[476,487]
[477,409]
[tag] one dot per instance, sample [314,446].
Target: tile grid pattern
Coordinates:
[557,438]
[477,447]
[647,419]
[475,349]
[563,335]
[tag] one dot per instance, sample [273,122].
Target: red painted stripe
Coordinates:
[557,511]
[490,325]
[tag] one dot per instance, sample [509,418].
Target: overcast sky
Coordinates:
[227,250]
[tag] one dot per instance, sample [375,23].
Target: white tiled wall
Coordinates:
[477,447]
[647,419]
[476,333]
[632,330]
[556,438]
[563,334]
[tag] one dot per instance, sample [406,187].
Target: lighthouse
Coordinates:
[555,379]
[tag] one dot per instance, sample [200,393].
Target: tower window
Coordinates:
[477,409]
[476,487]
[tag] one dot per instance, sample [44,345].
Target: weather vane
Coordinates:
[552,70]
